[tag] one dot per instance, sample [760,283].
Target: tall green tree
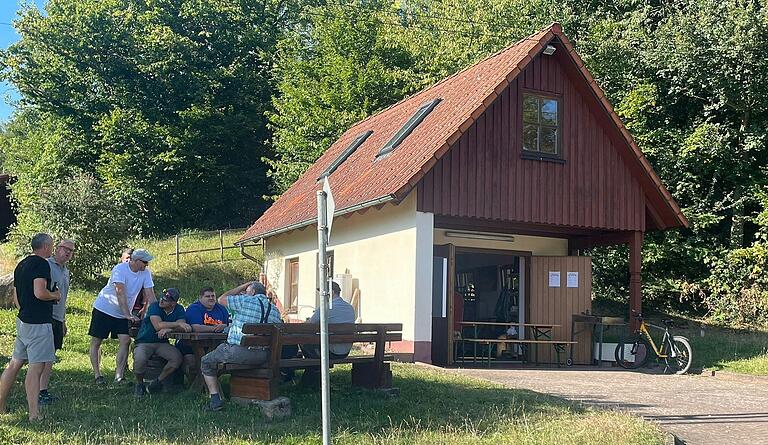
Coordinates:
[162,100]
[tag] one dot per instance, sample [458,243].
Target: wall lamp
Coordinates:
[549,50]
[482,236]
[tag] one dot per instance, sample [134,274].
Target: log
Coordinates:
[6,291]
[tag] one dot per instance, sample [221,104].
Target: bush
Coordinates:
[738,287]
[78,208]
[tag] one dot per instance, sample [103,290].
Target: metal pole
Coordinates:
[323,269]
[177,251]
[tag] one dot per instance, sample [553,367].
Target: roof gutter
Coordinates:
[382,200]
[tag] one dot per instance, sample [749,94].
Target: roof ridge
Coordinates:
[544,30]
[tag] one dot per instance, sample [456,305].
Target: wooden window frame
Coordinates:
[538,155]
[292,303]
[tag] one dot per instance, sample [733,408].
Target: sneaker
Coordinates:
[214,405]
[46,399]
[100,380]
[140,391]
[154,386]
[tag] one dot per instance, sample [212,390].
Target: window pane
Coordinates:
[549,111]
[530,109]
[548,140]
[530,137]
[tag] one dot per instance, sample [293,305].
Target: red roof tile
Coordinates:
[365,180]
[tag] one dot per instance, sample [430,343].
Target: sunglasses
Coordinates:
[146,263]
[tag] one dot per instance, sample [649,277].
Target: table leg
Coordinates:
[197,382]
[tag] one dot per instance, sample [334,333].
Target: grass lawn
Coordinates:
[433,408]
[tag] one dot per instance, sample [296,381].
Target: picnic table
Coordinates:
[541,333]
[201,344]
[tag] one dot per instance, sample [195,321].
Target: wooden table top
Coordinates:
[493,323]
[198,335]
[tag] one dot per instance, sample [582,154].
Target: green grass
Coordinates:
[434,407]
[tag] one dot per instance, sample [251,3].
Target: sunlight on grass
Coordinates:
[434,407]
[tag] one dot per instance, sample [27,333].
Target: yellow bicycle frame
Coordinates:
[644,330]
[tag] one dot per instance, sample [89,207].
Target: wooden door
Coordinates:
[443,272]
[555,301]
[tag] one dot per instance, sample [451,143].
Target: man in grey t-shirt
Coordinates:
[59,280]
[339,312]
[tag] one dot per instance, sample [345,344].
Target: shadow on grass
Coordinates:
[429,401]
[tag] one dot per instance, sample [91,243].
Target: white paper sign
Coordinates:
[572,279]
[554,279]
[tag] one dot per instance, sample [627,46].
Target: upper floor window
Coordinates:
[541,124]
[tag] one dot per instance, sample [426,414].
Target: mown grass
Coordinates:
[433,407]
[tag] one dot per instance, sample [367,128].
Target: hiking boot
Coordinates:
[100,380]
[140,391]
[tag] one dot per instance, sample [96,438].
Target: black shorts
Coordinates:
[102,325]
[58,334]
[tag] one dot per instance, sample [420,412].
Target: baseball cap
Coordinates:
[142,255]
[171,294]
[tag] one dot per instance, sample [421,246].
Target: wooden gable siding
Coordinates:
[483,175]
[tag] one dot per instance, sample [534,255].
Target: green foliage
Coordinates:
[163,101]
[739,287]
[80,209]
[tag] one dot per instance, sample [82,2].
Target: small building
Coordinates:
[471,201]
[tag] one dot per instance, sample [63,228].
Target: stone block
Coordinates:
[276,409]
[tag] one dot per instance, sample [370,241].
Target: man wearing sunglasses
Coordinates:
[112,310]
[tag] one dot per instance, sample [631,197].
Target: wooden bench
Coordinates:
[558,345]
[369,371]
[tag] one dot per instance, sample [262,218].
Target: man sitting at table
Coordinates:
[204,315]
[339,312]
[250,304]
[162,317]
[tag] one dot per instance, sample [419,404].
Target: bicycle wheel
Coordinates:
[681,355]
[632,352]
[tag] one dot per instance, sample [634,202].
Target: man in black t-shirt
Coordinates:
[34,331]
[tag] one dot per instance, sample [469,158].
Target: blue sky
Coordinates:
[8,10]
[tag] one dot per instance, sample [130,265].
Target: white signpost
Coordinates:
[325,209]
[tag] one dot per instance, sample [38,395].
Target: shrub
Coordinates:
[738,287]
[78,208]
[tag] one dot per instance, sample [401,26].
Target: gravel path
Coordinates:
[725,409]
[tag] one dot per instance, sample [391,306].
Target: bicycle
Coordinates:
[634,351]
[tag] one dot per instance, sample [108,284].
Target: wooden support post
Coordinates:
[177,251]
[635,287]
[221,244]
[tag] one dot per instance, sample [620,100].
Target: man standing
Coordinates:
[60,279]
[34,334]
[112,310]
[250,305]
[162,317]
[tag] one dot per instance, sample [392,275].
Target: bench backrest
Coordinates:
[309,333]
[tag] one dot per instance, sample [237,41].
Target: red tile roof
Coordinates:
[365,180]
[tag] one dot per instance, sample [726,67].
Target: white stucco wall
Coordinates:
[387,251]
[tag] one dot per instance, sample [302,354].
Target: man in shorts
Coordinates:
[112,310]
[34,333]
[60,280]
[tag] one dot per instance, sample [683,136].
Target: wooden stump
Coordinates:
[364,374]
[6,291]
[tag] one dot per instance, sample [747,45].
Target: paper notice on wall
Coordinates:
[572,279]
[554,279]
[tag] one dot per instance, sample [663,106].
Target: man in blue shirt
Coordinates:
[204,315]
[250,304]
[162,317]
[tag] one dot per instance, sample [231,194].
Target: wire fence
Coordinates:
[210,237]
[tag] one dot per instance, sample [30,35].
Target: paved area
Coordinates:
[700,410]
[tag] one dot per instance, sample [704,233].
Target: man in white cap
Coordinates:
[112,310]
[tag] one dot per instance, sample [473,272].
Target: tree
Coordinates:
[162,101]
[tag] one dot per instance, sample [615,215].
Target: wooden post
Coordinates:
[221,244]
[177,251]
[635,287]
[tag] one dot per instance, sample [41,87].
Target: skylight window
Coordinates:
[409,126]
[346,153]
